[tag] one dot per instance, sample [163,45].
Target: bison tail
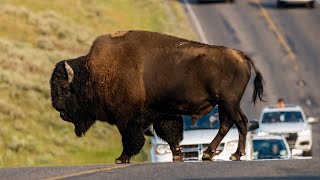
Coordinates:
[258,88]
[258,83]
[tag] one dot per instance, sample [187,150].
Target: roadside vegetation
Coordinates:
[34,35]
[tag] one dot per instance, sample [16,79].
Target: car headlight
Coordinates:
[232,145]
[283,154]
[306,132]
[260,133]
[162,149]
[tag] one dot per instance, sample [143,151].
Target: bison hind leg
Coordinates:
[170,129]
[241,123]
[226,123]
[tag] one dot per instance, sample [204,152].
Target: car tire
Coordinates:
[307,153]
[230,1]
[310,4]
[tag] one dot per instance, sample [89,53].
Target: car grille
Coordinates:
[191,155]
[291,139]
[190,146]
[195,151]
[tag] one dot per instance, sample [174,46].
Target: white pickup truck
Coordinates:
[198,136]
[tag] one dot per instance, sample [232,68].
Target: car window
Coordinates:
[209,121]
[282,116]
[269,149]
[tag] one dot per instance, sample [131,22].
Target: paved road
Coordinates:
[285,46]
[190,170]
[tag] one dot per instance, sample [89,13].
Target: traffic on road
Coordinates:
[283,140]
[280,133]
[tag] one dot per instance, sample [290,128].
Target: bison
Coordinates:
[133,79]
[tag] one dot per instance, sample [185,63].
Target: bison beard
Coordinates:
[134,79]
[80,128]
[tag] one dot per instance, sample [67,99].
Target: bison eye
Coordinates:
[68,94]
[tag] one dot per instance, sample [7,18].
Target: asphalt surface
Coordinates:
[286,169]
[285,46]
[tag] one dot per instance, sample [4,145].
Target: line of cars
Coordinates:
[284,133]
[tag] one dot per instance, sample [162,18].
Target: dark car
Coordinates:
[308,3]
[229,1]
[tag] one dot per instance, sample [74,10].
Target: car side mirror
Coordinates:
[149,131]
[253,125]
[311,120]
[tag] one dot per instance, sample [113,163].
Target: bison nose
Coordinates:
[64,116]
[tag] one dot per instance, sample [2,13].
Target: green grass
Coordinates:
[34,35]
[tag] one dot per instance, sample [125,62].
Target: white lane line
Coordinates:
[196,22]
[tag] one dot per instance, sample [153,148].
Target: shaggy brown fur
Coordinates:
[134,79]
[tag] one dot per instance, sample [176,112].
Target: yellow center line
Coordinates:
[274,28]
[87,172]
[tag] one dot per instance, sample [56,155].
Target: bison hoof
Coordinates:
[118,161]
[236,157]
[178,158]
[121,160]
[207,156]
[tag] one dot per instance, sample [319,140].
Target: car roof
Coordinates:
[286,108]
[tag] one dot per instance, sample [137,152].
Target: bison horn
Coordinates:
[69,71]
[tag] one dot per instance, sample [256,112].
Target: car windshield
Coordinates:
[282,116]
[209,121]
[269,149]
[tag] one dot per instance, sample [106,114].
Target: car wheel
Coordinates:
[310,4]
[230,1]
[307,153]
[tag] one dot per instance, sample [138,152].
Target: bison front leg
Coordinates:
[170,129]
[132,142]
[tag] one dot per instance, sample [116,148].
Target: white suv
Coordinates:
[197,137]
[291,122]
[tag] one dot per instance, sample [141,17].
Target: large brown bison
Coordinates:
[133,79]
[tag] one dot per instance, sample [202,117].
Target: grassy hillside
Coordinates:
[34,35]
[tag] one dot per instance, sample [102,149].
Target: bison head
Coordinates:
[69,96]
